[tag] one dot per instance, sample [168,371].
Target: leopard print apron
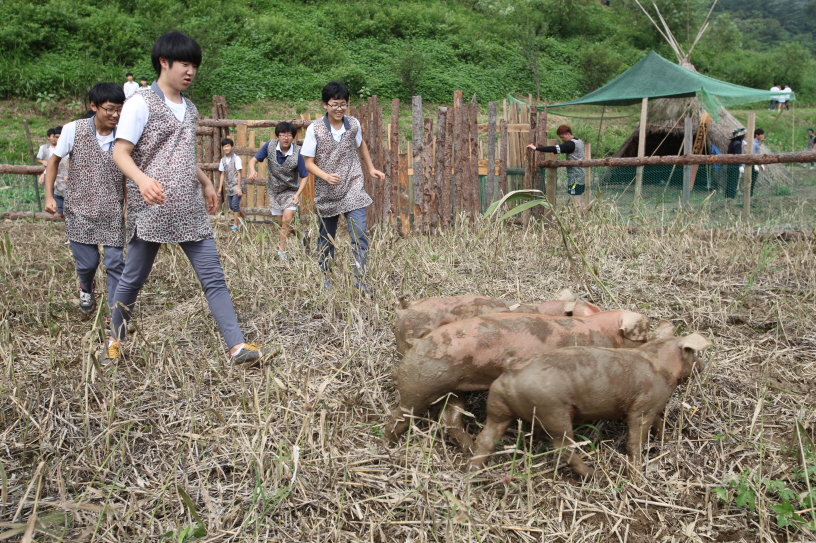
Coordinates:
[339,157]
[95,192]
[231,176]
[166,152]
[283,181]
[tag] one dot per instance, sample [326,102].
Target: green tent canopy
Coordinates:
[655,77]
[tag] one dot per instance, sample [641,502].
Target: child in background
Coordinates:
[95,194]
[330,152]
[231,168]
[168,195]
[44,153]
[142,83]
[287,177]
[130,86]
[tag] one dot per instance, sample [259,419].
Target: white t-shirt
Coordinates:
[130,87]
[309,147]
[135,114]
[783,98]
[45,151]
[237,161]
[65,144]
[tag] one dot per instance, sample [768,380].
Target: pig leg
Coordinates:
[486,442]
[562,426]
[639,426]
[400,419]
[657,426]
[453,420]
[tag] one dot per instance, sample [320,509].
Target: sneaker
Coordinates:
[252,352]
[234,227]
[362,287]
[86,301]
[112,354]
[283,256]
[326,284]
[66,244]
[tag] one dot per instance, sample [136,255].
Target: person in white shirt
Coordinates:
[130,86]
[772,104]
[784,97]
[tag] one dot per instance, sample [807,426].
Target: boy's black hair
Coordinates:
[106,92]
[175,46]
[285,128]
[57,130]
[142,79]
[810,130]
[129,74]
[335,91]
[758,132]
[227,141]
[50,132]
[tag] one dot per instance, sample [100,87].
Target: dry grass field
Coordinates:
[175,441]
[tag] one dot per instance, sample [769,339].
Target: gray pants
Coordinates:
[203,256]
[356,222]
[87,261]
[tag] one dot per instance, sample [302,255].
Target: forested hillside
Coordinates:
[270,49]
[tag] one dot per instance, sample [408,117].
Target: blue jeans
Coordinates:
[356,222]
[203,256]
[87,261]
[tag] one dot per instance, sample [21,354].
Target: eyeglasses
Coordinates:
[338,107]
[112,110]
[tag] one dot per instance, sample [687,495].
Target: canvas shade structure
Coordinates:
[655,77]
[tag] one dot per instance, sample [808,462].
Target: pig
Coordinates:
[467,355]
[416,319]
[574,385]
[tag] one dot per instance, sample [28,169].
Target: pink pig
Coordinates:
[563,387]
[468,355]
[418,318]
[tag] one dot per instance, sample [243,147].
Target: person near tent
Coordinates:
[735,147]
[759,137]
[574,149]
[772,103]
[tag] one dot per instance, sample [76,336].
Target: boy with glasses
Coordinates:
[94,194]
[330,152]
[287,176]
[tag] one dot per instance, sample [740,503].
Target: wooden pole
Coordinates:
[588,175]
[458,153]
[529,167]
[503,135]
[551,183]
[447,187]
[441,195]
[682,160]
[491,152]
[428,212]
[541,136]
[404,202]
[644,107]
[34,160]
[600,125]
[749,169]
[687,149]
[473,162]
[395,161]
[419,159]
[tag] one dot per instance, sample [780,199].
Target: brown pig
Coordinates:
[416,319]
[575,385]
[468,355]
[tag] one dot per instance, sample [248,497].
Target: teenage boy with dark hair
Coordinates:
[167,192]
[130,86]
[759,137]
[287,177]
[142,83]
[95,192]
[574,149]
[44,153]
[231,168]
[330,151]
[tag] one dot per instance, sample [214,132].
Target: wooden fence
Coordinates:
[431,176]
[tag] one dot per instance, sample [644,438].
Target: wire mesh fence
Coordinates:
[20,193]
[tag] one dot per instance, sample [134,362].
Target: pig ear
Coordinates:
[589,308]
[569,308]
[565,295]
[634,326]
[664,329]
[695,342]
[402,303]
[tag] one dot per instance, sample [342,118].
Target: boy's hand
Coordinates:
[253,175]
[239,192]
[377,174]
[210,199]
[295,199]
[51,205]
[41,179]
[152,191]
[332,178]
[531,147]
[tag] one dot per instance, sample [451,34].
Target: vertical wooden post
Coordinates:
[529,167]
[749,169]
[458,153]
[503,158]
[362,113]
[241,139]
[447,186]
[393,139]
[428,212]
[441,195]
[687,147]
[404,196]
[473,162]
[33,160]
[418,159]
[490,193]
[644,107]
[588,174]
[551,181]
[541,136]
